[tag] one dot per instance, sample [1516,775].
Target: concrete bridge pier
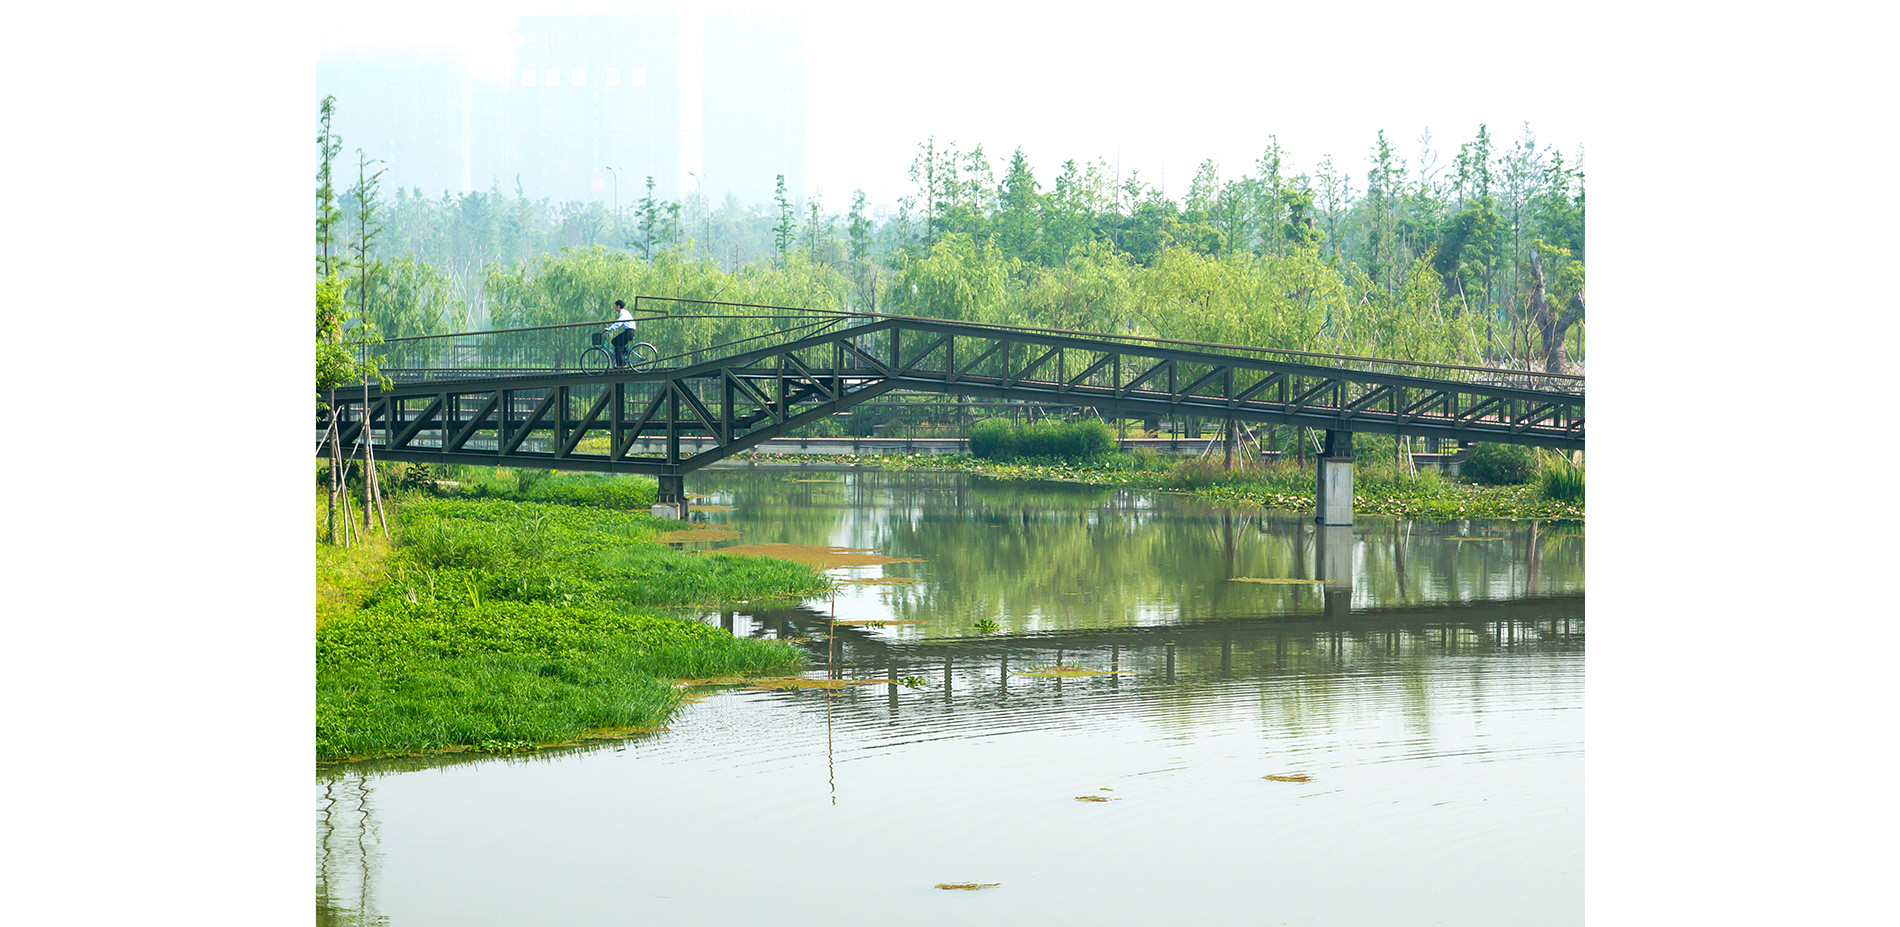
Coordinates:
[671,501]
[1333,490]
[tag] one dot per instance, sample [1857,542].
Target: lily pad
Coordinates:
[1294,777]
[966,886]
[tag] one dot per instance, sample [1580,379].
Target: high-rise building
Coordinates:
[411,109]
[711,104]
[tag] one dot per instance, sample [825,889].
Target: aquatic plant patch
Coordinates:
[1065,672]
[501,622]
[967,886]
[1295,777]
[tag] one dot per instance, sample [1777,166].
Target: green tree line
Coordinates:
[1473,258]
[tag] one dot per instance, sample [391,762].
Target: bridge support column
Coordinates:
[671,501]
[1332,497]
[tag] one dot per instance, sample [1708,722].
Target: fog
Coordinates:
[1148,90]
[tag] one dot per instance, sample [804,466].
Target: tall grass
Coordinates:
[590,489]
[1560,477]
[1069,442]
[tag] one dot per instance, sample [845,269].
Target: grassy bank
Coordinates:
[1380,486]
[496,624]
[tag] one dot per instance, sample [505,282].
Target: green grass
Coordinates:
[500,625]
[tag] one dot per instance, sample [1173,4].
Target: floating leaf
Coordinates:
[1296,777]
[967,886]
[1095,798]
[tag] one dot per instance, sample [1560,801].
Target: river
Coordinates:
[1113,706]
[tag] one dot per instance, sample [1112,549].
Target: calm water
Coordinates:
[1429,689]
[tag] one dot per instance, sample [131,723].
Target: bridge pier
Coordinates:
[1332,497]
[671,501]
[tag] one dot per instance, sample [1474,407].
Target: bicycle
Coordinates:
[600,357]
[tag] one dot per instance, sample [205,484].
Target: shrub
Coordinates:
[990,439]
[1073,442]
[1500,464]
[1197,474]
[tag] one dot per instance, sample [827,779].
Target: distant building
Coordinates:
[713,104]
[411,109]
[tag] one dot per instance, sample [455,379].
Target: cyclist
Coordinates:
[623,329]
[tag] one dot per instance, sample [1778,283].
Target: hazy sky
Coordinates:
[1159,87]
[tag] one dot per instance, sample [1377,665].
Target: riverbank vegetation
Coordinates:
[492,623]
[1383,484]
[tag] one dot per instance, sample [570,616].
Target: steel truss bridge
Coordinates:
[516,398]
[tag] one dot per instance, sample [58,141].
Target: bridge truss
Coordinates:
[475,410]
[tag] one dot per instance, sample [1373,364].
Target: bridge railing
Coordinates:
[685,331]
[688,332]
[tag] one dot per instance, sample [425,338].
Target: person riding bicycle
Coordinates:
[623,328]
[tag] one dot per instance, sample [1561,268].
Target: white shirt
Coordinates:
[624,322]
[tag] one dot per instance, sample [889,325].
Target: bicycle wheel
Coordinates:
[641,355]
[595,360]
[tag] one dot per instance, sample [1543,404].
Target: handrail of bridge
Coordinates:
[539,349]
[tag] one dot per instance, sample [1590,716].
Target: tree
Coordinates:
[858,230]
[787,221]
[1019,209]
[368,225]
[1553,325]
[1384,254]
[328,214]
[649,230]
[1335,191]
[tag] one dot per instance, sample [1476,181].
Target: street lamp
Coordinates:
[611,170]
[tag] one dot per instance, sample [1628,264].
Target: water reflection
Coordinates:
[1050,556]
[1427,684]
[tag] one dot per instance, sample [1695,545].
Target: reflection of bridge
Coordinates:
[1446,628]
[511,398]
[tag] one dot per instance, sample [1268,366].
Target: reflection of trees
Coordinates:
[1061,556]
[348,858]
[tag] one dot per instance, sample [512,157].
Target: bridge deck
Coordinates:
[475,399]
